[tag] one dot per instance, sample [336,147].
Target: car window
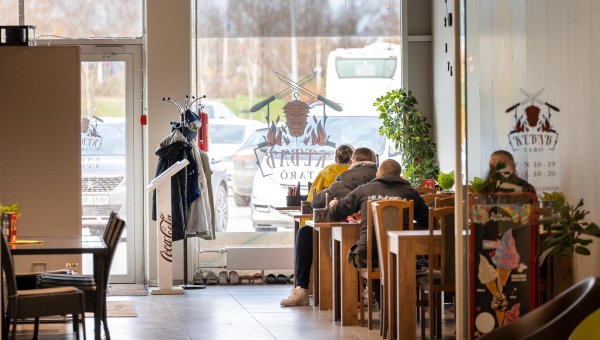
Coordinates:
[226,134]
[255,138]
[365,67]
[208,108]
[104,139]
[356,131]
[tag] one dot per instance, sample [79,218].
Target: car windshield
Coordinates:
[255,138]
[104,139]
[356,131]
[226,134]
[365,68]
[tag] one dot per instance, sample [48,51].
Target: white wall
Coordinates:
[531,45]
[443,86]
[169,75]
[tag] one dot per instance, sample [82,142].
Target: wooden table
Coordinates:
[76,244]
[329,288]
[403,247]
[285,208]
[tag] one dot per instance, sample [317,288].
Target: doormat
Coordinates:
[117,309]
[127,290]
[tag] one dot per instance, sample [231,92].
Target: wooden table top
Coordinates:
[297,214]
[284,208]
[330,224]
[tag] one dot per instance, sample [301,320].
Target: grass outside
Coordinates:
[241,107]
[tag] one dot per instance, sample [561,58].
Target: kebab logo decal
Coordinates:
[532,130]
[297,130]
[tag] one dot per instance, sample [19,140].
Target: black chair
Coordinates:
[86,283]
[557,318]
[35,303]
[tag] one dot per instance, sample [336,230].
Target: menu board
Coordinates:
[503,259]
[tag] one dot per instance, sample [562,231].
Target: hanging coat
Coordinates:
[172,149]
[208,174]
[199,221]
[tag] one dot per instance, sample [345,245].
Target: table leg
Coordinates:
[392,283]
[349,281]
[335,281]
[314,269]
[325,282]
[407,281]
[100,295]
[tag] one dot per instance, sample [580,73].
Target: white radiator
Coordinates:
[260,258]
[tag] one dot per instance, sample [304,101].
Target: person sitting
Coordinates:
[387,185]
[362,171]
[509,173]
[328,174]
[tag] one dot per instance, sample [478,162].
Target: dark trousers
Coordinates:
[304,255]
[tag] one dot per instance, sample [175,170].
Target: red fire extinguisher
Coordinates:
[203,132]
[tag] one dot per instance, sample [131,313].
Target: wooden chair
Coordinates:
[425,190]
[441,202]
[430,198]
[86,283]
[441,274]
[385,215]
[35,303]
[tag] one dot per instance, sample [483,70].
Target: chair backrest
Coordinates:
[443,202]
[389,215]
[557,318]
[425,190]
[442,219]
[9,269]
[430,198]
[112,236]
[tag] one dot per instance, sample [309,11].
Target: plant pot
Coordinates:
[562,274]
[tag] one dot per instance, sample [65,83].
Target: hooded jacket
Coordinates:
[359,173]
[326,177]
[171,150]
[383,187]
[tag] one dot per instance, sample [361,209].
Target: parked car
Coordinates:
[300,161]
[103,180]
[217,110]
[227,135]
[245,166]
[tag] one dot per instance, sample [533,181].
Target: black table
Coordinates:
[76,244]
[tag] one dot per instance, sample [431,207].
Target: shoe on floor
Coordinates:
[291,279]
[299,297]
[245,279]
[282,279]
[234,278]
[257,279]
[222,277]
[270,279]
[210,278]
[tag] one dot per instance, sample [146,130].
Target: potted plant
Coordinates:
[446,180]
[565,241]
[476,184]
[11,208]
[554,201]
[408,128]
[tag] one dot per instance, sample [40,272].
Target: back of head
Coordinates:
[504,157]
[363,155]
[343,153]
[390,167]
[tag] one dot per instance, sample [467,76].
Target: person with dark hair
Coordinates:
[388,185]
[510,178]
[343,156]
[362,171]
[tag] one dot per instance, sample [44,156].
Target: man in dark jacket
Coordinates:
[387,185]
[362,171]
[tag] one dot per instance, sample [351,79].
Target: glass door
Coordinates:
[111,151]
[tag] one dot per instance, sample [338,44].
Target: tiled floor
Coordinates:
[218,312]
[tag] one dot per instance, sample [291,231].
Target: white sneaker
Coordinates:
[299,297]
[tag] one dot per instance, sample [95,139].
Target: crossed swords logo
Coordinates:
[296,88]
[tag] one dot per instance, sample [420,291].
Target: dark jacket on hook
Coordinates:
[172,149]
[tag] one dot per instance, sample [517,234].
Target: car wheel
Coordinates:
[221,209]
[241,201]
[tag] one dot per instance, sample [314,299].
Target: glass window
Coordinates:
[365,68]
[9,12]
[255,138]
[85,18]
[226,134]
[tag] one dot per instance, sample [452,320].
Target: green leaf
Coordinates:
[582,250]
[592,229]
[583,242]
